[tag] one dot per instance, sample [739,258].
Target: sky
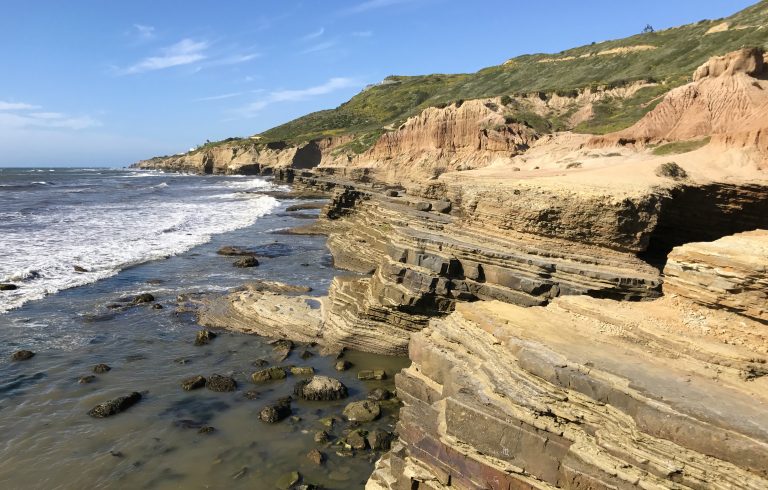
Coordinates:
[107,83]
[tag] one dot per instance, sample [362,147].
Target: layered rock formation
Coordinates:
[589,393]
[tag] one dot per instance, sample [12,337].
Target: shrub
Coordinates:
[672,171]
[506,100]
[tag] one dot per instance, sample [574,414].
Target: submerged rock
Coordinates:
[193,383]
[380,440]
[217,382]
[379,394]
[356,439]
[101,368]
[245,262]
[142,299]
[371,374]
[80,269]
[206,429]
[276,412]
[22,355]
[282,349]
[84,380]
[204,337]
[316,457]
[269,374]
[362,411]
[115,406]
[8,287]
[230,250]
[343,365]
[321,388]
[289,480]
[321,437]
[302,370]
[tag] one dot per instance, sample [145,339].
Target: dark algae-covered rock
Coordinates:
[101,368]
[142,299]
[321,388]
[217,382]
[8,287]
[115,406]
[193,383]
[22,355]
[276,412]
[268,374]
[245,262]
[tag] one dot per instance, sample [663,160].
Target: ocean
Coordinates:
[139,232]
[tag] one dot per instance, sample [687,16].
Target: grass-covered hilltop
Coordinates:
[667,57]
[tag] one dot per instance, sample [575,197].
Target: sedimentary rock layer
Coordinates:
[729,273]
[582,393]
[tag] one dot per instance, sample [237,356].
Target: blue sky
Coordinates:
[96,82]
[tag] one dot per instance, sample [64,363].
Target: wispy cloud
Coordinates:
[319,47]
[219,97]
[17,116]
[16,106]
[372,5]
[184,52]
[332,85]
[235,59]
[362,34]
[144,32]
[313,35]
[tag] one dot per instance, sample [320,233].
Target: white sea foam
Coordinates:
[105,238]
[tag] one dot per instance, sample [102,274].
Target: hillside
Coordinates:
[668,56]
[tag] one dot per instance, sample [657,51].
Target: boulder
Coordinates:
[193,383]
[217,382]
[80,269]
[115,406]
[321,437]
[22,355]
[356,439]
[282,349]
[276,412]
[302,370]
[321,388]
[8,287]
[362,411]
[268,374]
[379,394]
[204,337]
[245,262]
[142,298]
[343,365]
[101,368]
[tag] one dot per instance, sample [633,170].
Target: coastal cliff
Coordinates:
[581,273]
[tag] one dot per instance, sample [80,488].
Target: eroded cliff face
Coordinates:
[727,100]
[591,393]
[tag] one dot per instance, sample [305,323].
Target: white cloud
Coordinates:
[183,52]
[277,96]
[144,32]
[16,106]
[319,47]
[372,5]
[314,35]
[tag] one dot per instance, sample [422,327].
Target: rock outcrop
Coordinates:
[587,393]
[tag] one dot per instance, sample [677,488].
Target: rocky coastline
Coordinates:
[604,323]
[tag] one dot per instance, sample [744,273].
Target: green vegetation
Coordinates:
[680,147]
[671,59]
[671,170]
